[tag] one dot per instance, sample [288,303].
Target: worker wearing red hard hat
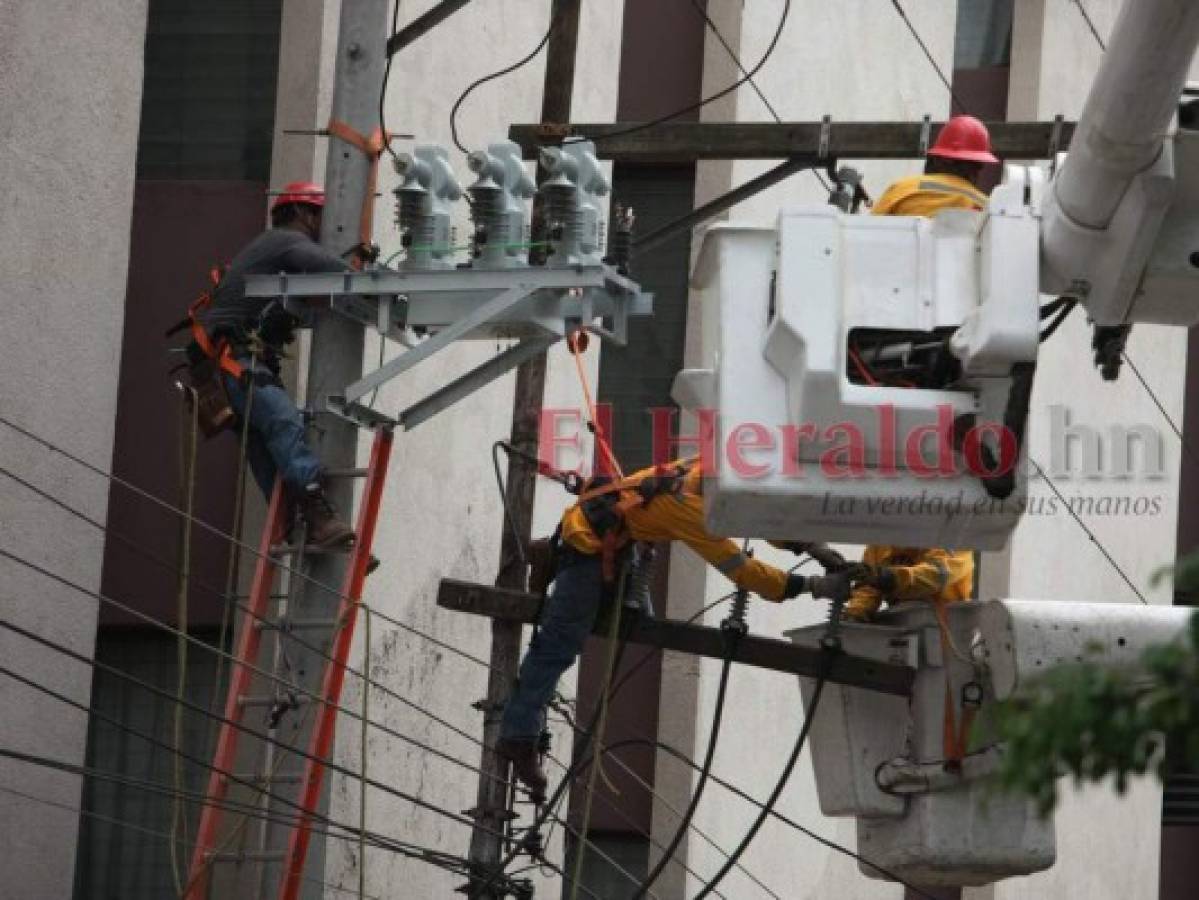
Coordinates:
[244,337]
[951,173]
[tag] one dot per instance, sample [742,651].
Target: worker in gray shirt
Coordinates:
[245,337]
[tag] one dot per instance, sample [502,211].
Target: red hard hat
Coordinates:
[300,192]
[964,137]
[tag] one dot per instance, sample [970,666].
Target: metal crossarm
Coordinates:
[426,311]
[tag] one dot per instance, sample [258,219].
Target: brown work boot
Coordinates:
[326,529]
[525,764]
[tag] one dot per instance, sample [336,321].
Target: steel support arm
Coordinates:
[700,640]
[423,24]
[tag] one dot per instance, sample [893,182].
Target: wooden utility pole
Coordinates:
[491,808]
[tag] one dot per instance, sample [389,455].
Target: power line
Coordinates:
[698,7]
[1090,534]
[319,651]
[929,56]
[699,104]
[152,832]
[197,708]
[225,536]
[346,833]
[788,768]
[1091,25]
[786,820]
[395,21]
[259,619]
[492,77]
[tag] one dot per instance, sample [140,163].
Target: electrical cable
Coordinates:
[1064,311]
[346,833]
[1090,534]
[197,708]
[809,716]
[1091,25]
[786,820]
[223,655]
[699,104]
[928,55]
[698,7]
[151,832]
[395,21]
[492,77]
[705,771]
[212,529]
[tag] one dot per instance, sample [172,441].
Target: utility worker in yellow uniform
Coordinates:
[899,574]
[655,504]
[951,173]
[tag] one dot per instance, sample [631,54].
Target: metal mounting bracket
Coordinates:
[533,306]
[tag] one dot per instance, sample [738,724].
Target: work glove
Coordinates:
[829,559]
[823,587]
[881,578]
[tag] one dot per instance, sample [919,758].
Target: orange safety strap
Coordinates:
[955,735]
[576,342]
[220,352]
[372,148]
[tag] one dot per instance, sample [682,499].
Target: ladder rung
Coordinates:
[295,624]
[268,699]
[247,856]
[266,778]
[307,549]
[346,473]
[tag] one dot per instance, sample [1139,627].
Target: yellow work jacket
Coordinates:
[680,517]
[925,195]
[933,574]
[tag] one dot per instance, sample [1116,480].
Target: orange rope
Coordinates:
[573,341]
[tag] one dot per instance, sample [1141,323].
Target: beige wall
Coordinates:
[70,93]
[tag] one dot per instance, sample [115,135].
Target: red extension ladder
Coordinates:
[242,674]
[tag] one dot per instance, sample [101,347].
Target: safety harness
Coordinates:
[220,350]
[605,503]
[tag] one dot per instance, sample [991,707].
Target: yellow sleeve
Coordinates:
[865,600]
[682,519]
[931,578]
[892,197]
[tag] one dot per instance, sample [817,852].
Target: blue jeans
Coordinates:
[276,443]
[566,621]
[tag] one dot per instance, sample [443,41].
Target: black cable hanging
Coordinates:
[734,627]
[479,82]
[699,104]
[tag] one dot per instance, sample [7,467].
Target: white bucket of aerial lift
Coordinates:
[879,758]
[778,308]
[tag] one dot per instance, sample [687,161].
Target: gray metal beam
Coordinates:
[493,308]
[674,142]
[474,379]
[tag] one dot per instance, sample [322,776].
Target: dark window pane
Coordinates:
[208,106]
